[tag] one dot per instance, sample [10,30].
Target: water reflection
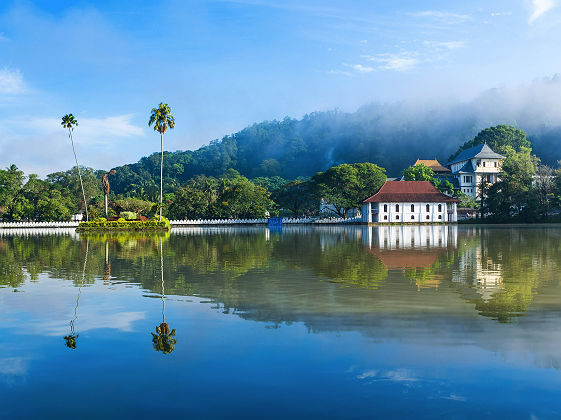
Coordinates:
[254,271]
[71,338]
[163,341]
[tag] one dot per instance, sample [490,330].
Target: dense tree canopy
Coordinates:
[231,196]
[345,186]
[498,138]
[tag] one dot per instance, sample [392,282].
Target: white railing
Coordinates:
[198,222]
[38,224]
[285,221]
[31,232]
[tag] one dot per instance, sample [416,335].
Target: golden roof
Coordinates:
[433,164]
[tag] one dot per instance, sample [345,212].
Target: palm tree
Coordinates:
[162,119]
[68,121]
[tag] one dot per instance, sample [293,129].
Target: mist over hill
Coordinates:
[392,135]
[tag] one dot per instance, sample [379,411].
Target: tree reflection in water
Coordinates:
[498,271]
[107,266]
[163,341]
[72,337]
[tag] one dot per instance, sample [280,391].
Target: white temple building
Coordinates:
[409,202]
[474,164]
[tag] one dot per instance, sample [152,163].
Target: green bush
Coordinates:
[128,215]
[122,224]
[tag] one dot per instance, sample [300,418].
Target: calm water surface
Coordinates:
[327,322]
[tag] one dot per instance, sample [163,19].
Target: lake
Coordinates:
[298,322]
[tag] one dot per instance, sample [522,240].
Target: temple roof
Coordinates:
[481,151]
[433,164]
[409,192]
[467,168]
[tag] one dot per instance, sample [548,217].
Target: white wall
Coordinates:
[378,213]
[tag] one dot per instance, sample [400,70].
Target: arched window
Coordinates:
[412,207]
[397,207]
[428,207]
[385,208]
[440,207]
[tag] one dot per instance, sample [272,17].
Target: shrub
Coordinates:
[128,215]
[122,224]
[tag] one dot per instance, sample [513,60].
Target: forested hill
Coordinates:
[392,136]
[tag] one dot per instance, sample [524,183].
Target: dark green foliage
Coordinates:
[272,184]
[299,197]
[515,193]
[345,186]
[133,205]
[32,200]
[423,173]
[298,148]
[497,138]
[230,196]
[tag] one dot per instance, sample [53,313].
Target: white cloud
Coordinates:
[44,145]
[444,17]
[12,369]
[395,375]
[359,68]
[450,45]
[540,7]
[11,81]
[396,62]
[341,72]
[92,130]
[495,14]
[122,321]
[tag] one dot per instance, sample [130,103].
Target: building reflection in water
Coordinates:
[477,270]
[414,249]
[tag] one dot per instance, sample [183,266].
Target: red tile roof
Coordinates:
[409,192]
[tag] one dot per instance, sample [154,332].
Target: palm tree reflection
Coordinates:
[71,338]
[107,267]
[163,341]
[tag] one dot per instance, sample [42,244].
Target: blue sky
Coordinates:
[222,65]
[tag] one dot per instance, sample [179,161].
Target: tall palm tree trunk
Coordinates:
[161,173]
[79,173]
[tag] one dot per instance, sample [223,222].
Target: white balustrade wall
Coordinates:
[199,222]
[285,221]
[27,225]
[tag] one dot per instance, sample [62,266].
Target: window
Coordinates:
[440,207]
[397,217]
[428,217]
[412,207]
[397,207]
[412,217]
[496,164]
[428,207]
[483,164]
[385,208]
[385,217]
[440,216]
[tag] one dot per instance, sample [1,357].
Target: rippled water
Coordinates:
[330,322]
